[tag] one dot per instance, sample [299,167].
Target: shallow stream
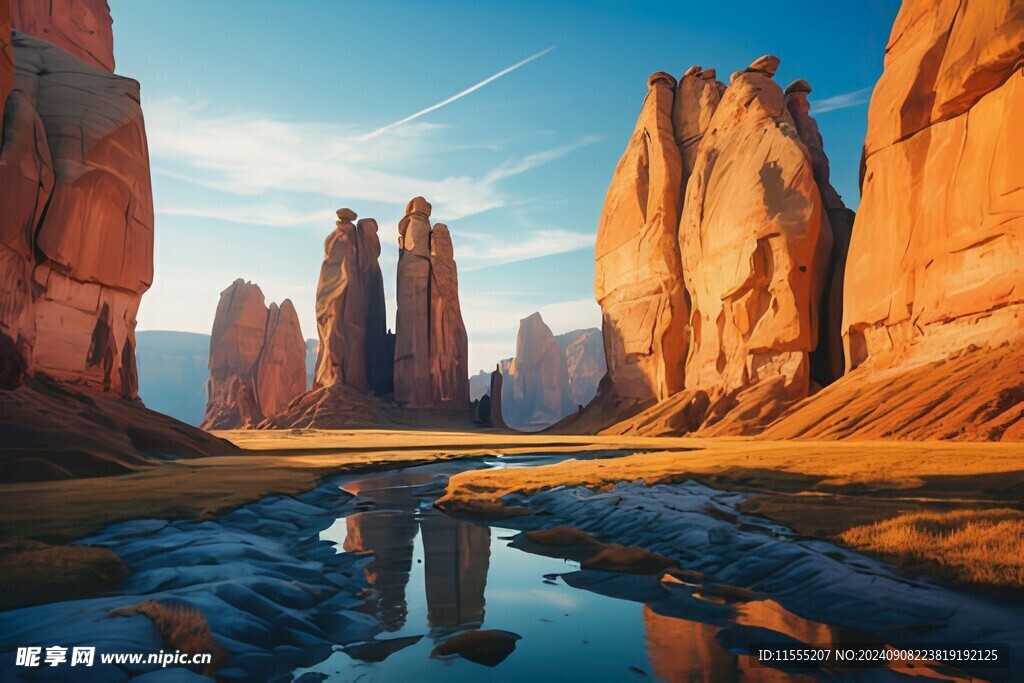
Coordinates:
[363,579]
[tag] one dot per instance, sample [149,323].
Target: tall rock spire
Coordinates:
[449,343]
[257,358]
[638,280]
[431,346]
[413,381]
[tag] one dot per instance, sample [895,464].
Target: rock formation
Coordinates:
[76,251]
[757,265]
[431,347]
[584,362]
[497,419]
[351,318]
[81,28]
[479,384]
[935,259]
[449,343]
[638,279]
[827,360]
[77,226]
[933,307]
[413,381]
[755,243]
[539,381]
[257,358]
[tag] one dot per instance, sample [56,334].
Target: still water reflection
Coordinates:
[430,576]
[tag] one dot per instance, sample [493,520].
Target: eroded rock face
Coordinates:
[431,346]
[638,279]
[697,96]
[539,380]
[827,360]
[257,358]
[281,367]
[449,343]
[755,243]
[934,263]
[80,27]
[413,382]
[350,312]
[74,143]
[584,362]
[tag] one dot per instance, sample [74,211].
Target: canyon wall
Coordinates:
[904,321]
[933,302]
[76,252]
[257,359]
[935,260]
[431,345]
[77,224]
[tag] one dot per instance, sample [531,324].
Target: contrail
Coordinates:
[462,94]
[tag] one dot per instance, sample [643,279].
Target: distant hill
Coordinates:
[172,372]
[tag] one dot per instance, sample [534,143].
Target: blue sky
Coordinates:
[264,117]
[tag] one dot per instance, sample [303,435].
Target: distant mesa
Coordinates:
[550,377]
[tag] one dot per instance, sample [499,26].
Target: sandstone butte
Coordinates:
[431,345]
[76,248]
[257,358]
[805,321]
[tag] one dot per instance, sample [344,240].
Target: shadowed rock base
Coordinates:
[56,431]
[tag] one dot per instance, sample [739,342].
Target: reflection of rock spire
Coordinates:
[389,536]
[456,557]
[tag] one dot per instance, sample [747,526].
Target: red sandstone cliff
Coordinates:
[257,359]
[909,315]
[76,251]
[933,297]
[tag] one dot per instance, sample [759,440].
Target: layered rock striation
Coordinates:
[257,359]
[77,225]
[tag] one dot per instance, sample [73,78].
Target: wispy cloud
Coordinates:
[476,251]
[284,162]
[458,96]
[843,101]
